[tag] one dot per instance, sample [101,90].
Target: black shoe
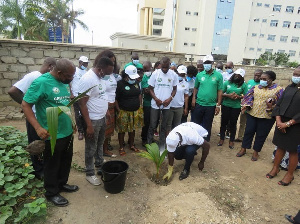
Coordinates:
[100,173]
[69,188]
[238,140]
[184,174]
[58,200]
[289,218]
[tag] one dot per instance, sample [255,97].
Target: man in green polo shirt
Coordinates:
[52,90]
[208,87]
[243,117]
[135,61]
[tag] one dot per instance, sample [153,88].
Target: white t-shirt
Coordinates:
[26,81]
[182,89]
[192,134]
[97,104]
[163,85]
[76,80]
[226,76]
[111,86]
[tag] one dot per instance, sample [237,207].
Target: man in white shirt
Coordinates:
[182,143]
[162,87]
[80,71]
[17,92]
[228,71]
[93,109]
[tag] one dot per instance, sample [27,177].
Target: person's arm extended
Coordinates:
[16,94]
[158,101]
[186,104]
[219,101]
[171,158]
[85,114]
[27,109]
[194,97]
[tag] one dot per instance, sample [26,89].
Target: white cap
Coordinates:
[172,142]
[132,72]
[208,58]
[240,71]
[84,59]
[182,69]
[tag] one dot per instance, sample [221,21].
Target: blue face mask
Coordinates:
[82,67]
[207,67]
[296,79]
[180,78]
[263,83]
[106,77]
[115,75]
[188,78]
[219,70]
[131,81]
[135,62]
[229,70]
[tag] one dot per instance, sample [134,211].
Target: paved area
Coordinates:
[11,113]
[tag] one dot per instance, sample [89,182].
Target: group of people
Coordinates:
[147,97]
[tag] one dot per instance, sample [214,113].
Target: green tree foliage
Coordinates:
[277,58]
[293,64]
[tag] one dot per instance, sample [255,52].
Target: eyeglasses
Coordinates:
[227,67]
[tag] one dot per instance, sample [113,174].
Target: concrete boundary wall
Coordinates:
[18,57]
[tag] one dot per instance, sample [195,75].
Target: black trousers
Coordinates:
[147,114]
[78,117]
[37,160]
[57,166]
[297,218]
[229,118]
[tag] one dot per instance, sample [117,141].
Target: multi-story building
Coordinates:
[238,29]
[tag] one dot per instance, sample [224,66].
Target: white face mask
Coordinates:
[296,79]
[135,62]
[147,73]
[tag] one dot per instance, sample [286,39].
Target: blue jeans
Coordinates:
[188,153]
[94,147]
[204,116]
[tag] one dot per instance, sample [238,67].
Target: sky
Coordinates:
[104,18]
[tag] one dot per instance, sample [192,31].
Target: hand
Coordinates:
[185,112]
[217,111]
[72,96]
[90,132]
[269,102]
[243,109]
[158,102]
[281,126]
[167,102]
[146,90]
[74,129]
[169,173]
[42,133]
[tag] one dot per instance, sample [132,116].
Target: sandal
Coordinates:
[122,152]
[269,176]
[239,154]
[133,148]
[109,154]
[285,184]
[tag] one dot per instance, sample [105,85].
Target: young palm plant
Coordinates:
[153,154]
[52,114]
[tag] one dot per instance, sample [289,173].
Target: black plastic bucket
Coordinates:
[114,176]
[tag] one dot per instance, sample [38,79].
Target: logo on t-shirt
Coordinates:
[169,80]
[183,86]
[127,87]
[213,79]
[202,79]
[55,90]
[68,88]
[159,79]
[228,86]
[100,87]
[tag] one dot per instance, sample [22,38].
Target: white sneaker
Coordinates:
[93,180]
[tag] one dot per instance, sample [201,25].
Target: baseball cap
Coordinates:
[240,71]
[172,142]
[83,59]
[131,70]
[182,69]
[208,58]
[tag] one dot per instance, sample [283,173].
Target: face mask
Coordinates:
[229,70]
[115,75]
[82,67]
[147,73]
[263,83]
[130,81]
[135,62]
[106,77]
[180,78]
[188,78]
[207,67]
[296,79]
[218,70]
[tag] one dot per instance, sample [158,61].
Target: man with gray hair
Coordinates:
[52,90]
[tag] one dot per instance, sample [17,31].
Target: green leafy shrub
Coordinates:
[20,192]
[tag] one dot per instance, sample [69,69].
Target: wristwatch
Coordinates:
[219,106]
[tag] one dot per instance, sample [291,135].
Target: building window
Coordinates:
[283,38]
[251,49]
[157,32]
[256,20]
[292,53]
[220,16]
[187,28]
[195,13]
[274,23]
[221,0]
[258,4]
[264,20]
[262,35]
[193,44]
[297,25]
[290,9]
[269,50]
[281,51]
[277,8]
[185,44]
[299,10]
[194,29]
[267,5]
[188,13]
[254,34]
[229,1]
[271,37]
[227,17]
[295,39]
[286,24]
[259,49]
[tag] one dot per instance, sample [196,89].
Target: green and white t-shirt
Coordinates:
[251,83]
[229,88]
[44,92]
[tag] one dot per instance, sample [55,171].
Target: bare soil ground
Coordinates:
[228,190]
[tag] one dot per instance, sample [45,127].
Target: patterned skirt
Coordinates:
[129,121]
[110,121]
